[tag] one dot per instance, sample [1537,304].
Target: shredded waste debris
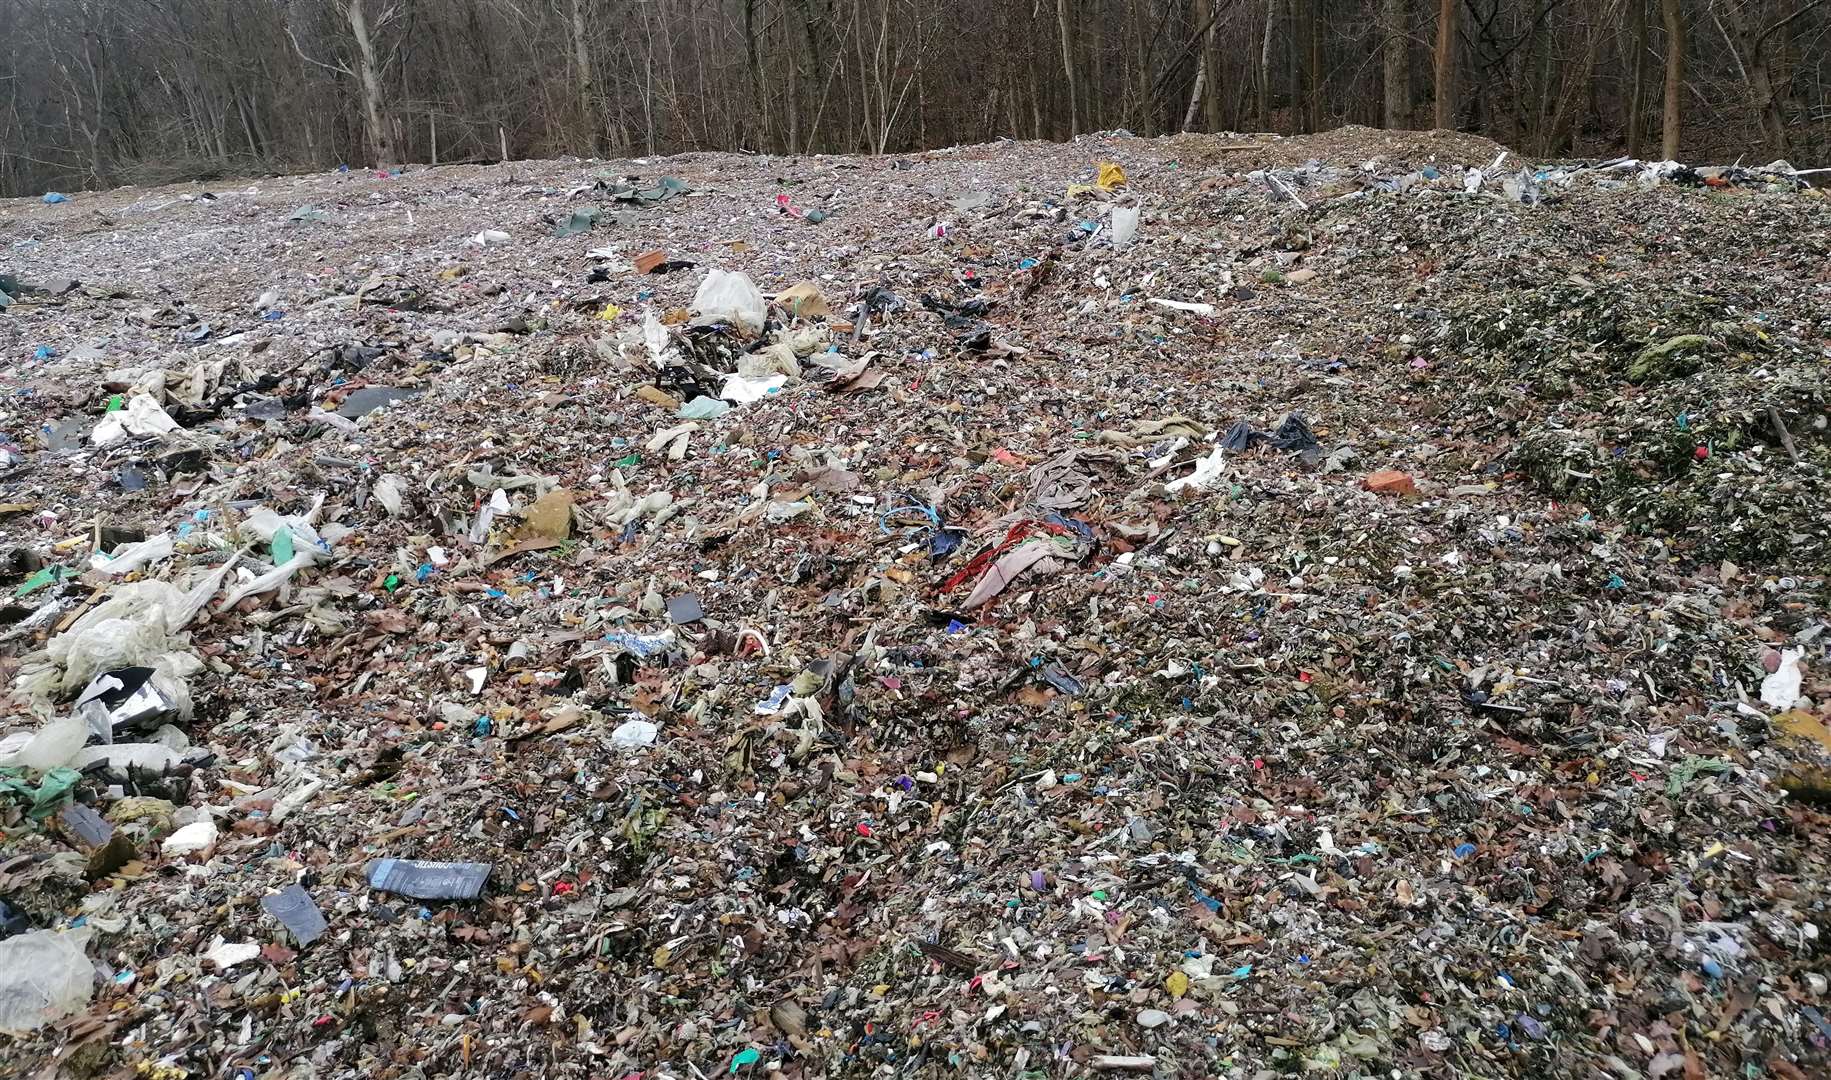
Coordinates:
[1348,605]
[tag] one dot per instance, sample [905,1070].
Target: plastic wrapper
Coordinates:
[298,912]
[429,880]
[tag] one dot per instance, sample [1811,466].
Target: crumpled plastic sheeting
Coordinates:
[729,296]
[743,390]
[1293,434]
[140,624]
[777,359]
[1208,472]
[44,976]
[143,415]
[130,557]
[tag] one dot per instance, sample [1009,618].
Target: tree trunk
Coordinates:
[1561,133]
[1396,26]
[1195,94]
[581,59]
[1675,79]
[1637,92]
[1312,66]
[1265,63]
[1211,59]
[757,116]
[380,143]
[1093,87]
[1446,65]
[1767,103]
[1074,86]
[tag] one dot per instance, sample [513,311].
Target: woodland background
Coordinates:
[95,93]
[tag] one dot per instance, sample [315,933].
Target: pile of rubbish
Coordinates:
[1348,605]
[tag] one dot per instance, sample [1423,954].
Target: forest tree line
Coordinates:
[95,93]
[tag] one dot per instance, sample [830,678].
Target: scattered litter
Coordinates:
[429,880]
[1320,605]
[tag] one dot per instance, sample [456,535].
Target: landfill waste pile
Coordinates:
[1345,605]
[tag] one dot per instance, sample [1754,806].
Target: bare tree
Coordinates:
[583,84]
[1675,78]
[1445,67]
[1395,29]
[1637,84]
[1063,26]
[1747,45]
[381,140]
[102,92]
[367,73]
[1265,62]
[1207,13]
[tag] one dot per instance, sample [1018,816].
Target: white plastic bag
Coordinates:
[50,746]
[44,976]
[387,491]
[634,734]
[122,756]
[199,837]
[1125,225]
[1781,688]
[730,297]
[262,525]
[745,390]
[142,416]
[655,335]
[1208,472]
[271,580]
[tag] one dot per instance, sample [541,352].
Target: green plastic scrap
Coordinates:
[42,578]
[623,191]
[45,796]
[282,547]
[581,221]
[1688,770]
[747,1056]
